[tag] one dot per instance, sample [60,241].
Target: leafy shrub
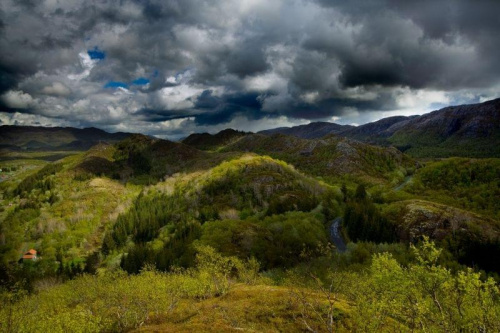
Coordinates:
[115,301]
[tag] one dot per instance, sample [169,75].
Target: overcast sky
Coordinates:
[170,68]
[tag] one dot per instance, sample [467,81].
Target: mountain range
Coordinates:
[54,138]
[464,130]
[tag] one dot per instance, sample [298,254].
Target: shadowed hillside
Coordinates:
[464,130]
[206,141]
[377,131]
[330,156]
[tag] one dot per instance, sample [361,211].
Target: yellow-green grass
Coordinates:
[248,308]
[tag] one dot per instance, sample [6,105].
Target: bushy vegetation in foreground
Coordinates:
[115,301]
[225,294]
[423,297]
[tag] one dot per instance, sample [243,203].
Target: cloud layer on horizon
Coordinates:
[169,68]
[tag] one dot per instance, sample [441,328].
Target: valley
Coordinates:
[271,222]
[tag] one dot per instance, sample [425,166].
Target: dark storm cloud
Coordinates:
[236,104]
[422,44]
[209,109]
[7,78]
[157,115]
[145,65]
[246,59]
[207,101]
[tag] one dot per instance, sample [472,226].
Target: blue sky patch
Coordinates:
[140,81]
[116,84]
[96,54]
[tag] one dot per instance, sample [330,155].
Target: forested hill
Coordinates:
[331,156]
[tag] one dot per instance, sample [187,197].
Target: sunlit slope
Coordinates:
[59,209]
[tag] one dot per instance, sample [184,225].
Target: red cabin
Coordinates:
[30,255]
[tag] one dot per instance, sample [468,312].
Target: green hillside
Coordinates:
[224,294]
[471,184]
[58,212]
[161,225]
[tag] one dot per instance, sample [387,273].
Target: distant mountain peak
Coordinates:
[471,130]
[312,130]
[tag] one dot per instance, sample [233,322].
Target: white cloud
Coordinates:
[420,99]
[86,63]
[176,123]
[178,97]
[56,89]
[17,99]
[180,78]
[310,97]
[122,91]
[27,119]
[266,82]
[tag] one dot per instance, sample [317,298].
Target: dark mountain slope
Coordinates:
[154,158]
[55,138]
[142,158]
[377,131]
[465,130]
[310,131]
